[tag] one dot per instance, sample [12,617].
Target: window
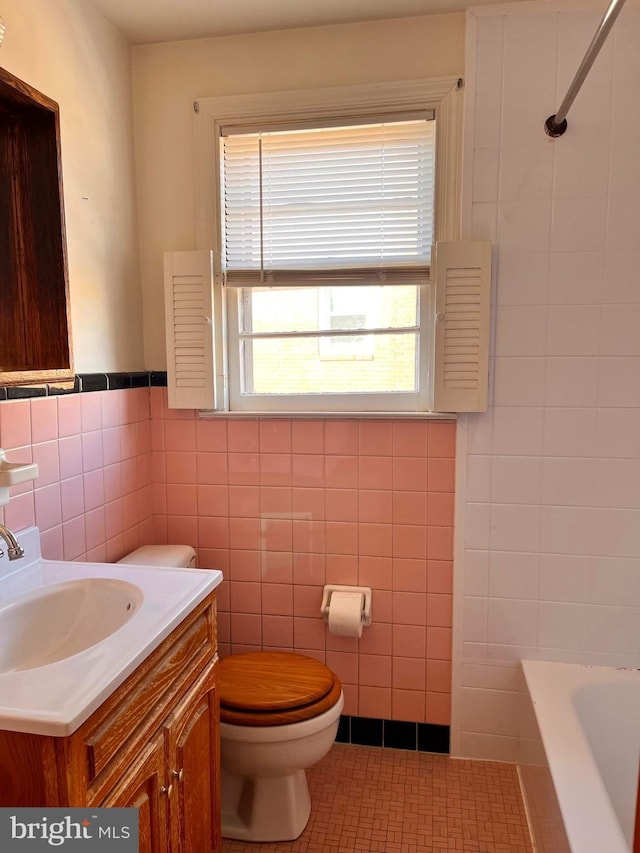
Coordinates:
[321,209]
[321,226]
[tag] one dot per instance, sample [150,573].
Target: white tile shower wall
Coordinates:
[549,549]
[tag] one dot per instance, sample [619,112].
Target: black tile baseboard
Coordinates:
[393,734]
[86,382]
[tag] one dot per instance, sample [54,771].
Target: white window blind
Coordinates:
[328,203]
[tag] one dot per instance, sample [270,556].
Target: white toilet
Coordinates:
[279,714]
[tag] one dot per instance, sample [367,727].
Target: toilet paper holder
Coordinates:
[365,591]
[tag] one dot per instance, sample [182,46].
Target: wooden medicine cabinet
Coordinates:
[34,293]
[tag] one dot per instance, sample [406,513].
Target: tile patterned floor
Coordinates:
[373,800]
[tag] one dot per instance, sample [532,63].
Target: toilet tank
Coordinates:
[173,556]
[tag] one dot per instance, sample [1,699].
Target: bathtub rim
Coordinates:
[550,685]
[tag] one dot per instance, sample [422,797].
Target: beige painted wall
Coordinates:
[168,77]
[68,51]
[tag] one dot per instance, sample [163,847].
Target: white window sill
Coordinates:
[313,415]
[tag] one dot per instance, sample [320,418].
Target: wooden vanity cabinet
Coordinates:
[152,745]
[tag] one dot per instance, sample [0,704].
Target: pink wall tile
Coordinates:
[48,461]
[375,438]
[212,469]
[213,500]
[309,633]
[341,504]
[244,565]
[408,673]
[245,597]
[442,438]
[281,506]
[211,435]
[409,541]
[341,437]
[308,536]
[15,424]
[275,469]
[309,568]
[307,470]
[276,534]
[308,502]
[181,467]
[438,643]
[277,599]
[410,474]
[277,632]
[341,568]
[438,708]
[375,472]
[440,543]
[410,439]
[44,419]
[244,469]
[344,664]
[409,575]
[69,415]
[409,507]
[409,641]
[375,506]
[73,538]
[341,472]
[376,572]
[376,639]
[342,537]
[276,566]
[243,436]
[72,497]
[408,705]
[374,670]
[441,475]
[180,435]
[48,507]
[70,456]
[375,540]
[275,436]
[246,628]
[244,501]
[20,512]
[90,412]
[277,500]
[374,702]
[307,437]
[51,543]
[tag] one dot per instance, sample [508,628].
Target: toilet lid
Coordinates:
[273,681]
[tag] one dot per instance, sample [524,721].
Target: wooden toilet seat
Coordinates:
[275,688]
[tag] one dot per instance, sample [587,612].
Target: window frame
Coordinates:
[442,95]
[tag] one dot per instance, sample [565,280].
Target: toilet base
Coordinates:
[264,808]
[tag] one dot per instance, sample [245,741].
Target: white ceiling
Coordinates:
[146,21]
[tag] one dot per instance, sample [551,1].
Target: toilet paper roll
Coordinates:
[345,618]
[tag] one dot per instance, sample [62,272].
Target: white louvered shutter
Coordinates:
[462,307]
[188,282]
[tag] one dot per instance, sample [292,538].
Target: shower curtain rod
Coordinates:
[556,124]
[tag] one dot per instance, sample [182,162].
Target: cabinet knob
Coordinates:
[178,774]
[168,791]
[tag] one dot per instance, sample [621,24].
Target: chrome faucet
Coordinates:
[15,549]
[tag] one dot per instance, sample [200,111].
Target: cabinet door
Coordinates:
[143,786]
[192,733]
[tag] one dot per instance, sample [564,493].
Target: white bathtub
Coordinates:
[589,721]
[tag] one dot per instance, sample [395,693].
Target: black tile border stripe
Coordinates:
[85,383]
[394,734]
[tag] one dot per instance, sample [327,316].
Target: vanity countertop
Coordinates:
[56,698]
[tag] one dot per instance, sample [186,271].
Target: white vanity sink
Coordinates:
[58,621]
[70,633]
